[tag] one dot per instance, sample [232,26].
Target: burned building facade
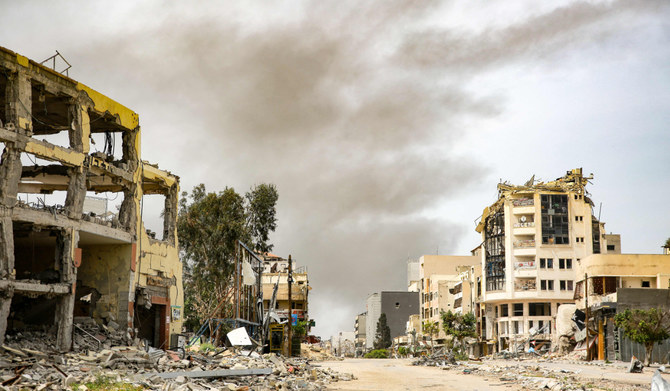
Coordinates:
[59,262]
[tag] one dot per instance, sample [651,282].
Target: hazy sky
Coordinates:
[385,125]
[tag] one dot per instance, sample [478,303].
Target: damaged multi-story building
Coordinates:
[57,262]
[533,237]
[276,273]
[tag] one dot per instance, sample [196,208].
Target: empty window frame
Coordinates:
[554,213]
[646,284]
[565,263]
[494,238]
[546,263]
[518,309]
[547,285]
[579,218]
[539,309]
[504,310]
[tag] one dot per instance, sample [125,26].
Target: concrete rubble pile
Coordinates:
[535,377]
[314,352]
[439,358]
[44,369]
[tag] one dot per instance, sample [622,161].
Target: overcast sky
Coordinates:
[385,125]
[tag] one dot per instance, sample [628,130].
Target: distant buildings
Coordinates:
[542,247]
[397,306]
[360,333]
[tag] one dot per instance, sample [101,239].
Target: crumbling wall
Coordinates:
[107,268]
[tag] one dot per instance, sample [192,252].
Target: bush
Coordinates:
[378,353]
[206,347]
[460,356]
[403,351]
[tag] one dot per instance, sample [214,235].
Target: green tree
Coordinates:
[261,219]
[459,327]
[645,327]
[430,328]
[383,335]
[209,227]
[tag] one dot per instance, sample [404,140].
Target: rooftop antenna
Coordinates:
[53,65]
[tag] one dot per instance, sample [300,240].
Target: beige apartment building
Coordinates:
[439,277]
[533,237]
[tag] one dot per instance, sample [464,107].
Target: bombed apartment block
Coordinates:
[73,243]
[533,236]
[276,274]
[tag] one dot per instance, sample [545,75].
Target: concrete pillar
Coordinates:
[131,148]
[170,215]
[18,96]
[66,242]
[6,271]
[128,211]
[10,175]
[76,192]
[78,141]
[18,102]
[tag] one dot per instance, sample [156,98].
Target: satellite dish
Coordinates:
[523,219]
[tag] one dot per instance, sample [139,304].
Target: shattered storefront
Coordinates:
[68,262]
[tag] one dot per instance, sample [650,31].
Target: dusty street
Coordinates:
[392,374]
[400,374]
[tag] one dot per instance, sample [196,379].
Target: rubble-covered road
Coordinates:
[400,375]
[534,374]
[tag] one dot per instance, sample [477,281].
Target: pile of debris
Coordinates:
[314,352]
[439,358]
[225,369]
[536,377]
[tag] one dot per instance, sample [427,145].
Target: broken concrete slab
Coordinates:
[214,374]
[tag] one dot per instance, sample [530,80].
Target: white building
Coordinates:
[533,237]
[373,306]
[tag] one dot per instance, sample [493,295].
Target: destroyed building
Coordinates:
[533,236]
[59,262]
[612,283]
[276,271]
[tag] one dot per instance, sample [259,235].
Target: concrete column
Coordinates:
[76,131]
[128,211]
[18,106]
[66,242]
[170,215]
[6,271]
[10,175]
[76,192]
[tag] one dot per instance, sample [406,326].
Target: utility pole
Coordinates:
[290,304]
[586,321]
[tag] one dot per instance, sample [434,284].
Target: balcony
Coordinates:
[523,202]
[525,284]
[524,228]
[525,243]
